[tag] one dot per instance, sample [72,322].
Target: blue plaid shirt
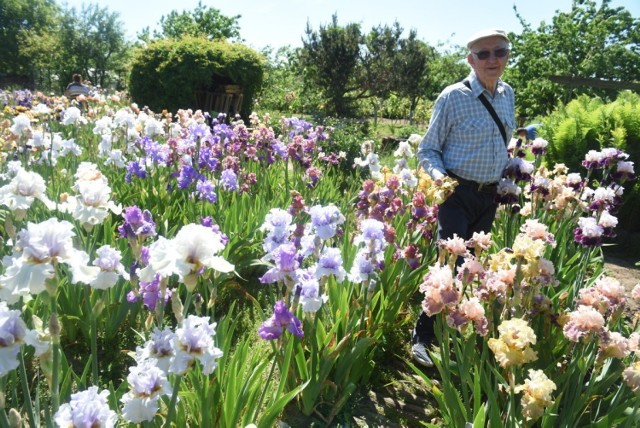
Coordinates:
[463,137]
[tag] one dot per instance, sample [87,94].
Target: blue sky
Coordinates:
[282,22]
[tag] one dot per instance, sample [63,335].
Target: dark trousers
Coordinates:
[463,213]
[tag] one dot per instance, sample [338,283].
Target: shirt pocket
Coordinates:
[509,125]
[475,129]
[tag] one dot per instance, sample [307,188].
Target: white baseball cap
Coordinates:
[490,32]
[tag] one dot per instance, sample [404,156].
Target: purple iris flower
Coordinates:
[274,327]
[330,263]
[208,159]
[280,149]
[150,293]
[156,152]
[325,220]
[205,190]
[137,223]
[286,262]
[187,176]
[199,130]
[135,168]
[229,180]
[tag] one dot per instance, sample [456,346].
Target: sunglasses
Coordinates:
[498,53]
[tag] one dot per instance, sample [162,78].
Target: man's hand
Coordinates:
[439,178]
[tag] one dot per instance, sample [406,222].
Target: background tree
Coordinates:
[203,21]
[169,73]
[586,42]
[331,57]
[94,45]
[46,53]
[18,19]
[413,67]
[380,77]
[283,89]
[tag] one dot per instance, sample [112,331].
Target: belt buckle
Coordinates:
[482,186]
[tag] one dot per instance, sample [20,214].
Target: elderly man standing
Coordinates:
[466,140]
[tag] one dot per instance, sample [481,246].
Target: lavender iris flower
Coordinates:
[325,220]
[274,327]
[229,180]
[286,262]
[205,189]
[136,223]
[135,169]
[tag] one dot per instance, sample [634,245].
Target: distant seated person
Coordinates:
[76,88]
[528,133]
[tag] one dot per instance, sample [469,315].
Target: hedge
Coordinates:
[167,73]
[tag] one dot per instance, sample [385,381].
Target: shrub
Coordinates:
[590,124]
[167,73]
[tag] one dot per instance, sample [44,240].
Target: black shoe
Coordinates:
[420,354]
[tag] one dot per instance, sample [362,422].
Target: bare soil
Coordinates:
[622,266]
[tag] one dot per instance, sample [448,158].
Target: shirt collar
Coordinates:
[477,88]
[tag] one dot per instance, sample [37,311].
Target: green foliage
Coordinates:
[203,21]
[587,41]
[347,136]
[590,124]
[49,44]
[414,71]
[359,73]
[379,57]
[17,19]
[167,73]
[331,57]
[283,89]
[94,45]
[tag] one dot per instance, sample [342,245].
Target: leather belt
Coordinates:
[490,188]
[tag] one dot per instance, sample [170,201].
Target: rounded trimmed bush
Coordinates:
[166,74]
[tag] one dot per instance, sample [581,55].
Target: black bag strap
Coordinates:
[491,111]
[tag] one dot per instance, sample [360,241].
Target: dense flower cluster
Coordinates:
[299,251]
[513,293]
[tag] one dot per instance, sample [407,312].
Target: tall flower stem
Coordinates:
[577,282]
[174,400]
[512,399]
[365,290]
[634,413]
[54,328]
[26,392]
[94,336]
[266,384]
[4,421]
[286,175]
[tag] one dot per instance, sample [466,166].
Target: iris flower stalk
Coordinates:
[93,333]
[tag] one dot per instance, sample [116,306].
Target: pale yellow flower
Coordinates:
[512,348]
[435,194]
[526,209]
[631,376]
[524,247]
[500,261]
[537,394]
[508,357]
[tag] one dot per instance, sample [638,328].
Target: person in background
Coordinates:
[528,133]
[521,134]
[76,88]
[466,142]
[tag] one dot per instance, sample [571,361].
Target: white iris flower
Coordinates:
[194,247]
[38,249]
